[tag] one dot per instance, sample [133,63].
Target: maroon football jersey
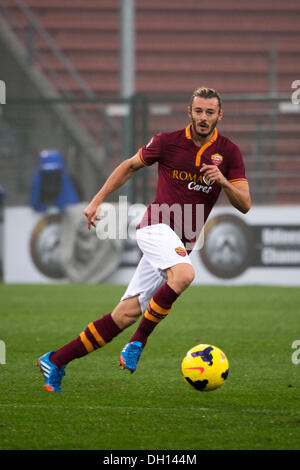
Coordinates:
[181,186]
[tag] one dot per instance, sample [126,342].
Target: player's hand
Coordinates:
[91,212]
[212,173]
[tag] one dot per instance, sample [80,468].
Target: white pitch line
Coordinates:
[89,407]
[141,408]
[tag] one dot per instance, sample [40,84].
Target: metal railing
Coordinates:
[268,138]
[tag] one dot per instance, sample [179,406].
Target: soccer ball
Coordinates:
[205,367]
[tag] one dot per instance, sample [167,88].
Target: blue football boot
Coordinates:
[53,375]
[130,355]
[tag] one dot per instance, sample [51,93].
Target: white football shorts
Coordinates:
[161,249]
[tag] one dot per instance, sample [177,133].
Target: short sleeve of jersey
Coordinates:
[151,152]
[236,169]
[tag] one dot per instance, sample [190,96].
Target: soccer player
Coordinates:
[194,164]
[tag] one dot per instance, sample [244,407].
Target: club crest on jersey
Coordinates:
[180,251]
[217,159]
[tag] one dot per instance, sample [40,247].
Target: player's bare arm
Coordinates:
[238,194]
[117,179]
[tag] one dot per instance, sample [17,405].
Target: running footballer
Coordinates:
[194,165]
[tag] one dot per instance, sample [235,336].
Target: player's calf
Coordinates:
[127,312]
[96,335]
[158,309]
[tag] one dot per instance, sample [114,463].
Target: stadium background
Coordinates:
[95,80]
[72,84]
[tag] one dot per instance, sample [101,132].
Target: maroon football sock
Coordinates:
[96,335]
[157,310]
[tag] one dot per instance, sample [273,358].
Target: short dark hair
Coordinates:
[204,92]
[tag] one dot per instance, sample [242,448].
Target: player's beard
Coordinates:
[204,134]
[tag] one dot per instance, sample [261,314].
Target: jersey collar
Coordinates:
[204,147]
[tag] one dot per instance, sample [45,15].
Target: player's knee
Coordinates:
[188,276]
[181,277]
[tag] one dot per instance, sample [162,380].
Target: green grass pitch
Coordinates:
[105,407]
